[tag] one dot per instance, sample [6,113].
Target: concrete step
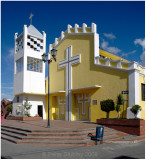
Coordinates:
[15,135]
[17,128]
[24,133]
[66,143]
[9,138]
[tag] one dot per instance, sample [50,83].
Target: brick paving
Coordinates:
[55,124]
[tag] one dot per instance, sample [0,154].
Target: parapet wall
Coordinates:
[76,30]
[119,64]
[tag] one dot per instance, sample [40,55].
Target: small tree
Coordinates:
[135,109]
[27,106]
[118,109]
[120,99]
[107,106]
[9,108]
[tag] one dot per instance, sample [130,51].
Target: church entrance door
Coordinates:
[82,106]
[40,110]
[60,107]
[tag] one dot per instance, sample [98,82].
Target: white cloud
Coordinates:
[109,35]
[113,50]
[141,42]
[128,53]
[105,45]
[11,53]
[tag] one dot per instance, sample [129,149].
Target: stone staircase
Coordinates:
[56,137]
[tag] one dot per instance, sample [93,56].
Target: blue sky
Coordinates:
[121,27]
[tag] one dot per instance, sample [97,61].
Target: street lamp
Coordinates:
[45,59]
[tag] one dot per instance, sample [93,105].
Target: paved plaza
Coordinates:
[104,151]
[55,124]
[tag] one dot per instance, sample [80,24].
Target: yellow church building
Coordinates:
[84,75]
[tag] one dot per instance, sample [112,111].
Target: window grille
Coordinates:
[34,64]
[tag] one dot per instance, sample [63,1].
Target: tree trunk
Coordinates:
[107,115]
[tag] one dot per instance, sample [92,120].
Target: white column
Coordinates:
[119,64]
[107,61]
[76,28]
[15,37]
[133,91]
[44,49]
[84,27]
[68,28]
[56,41]
[93,28]
[25,55]
[96,46]
[62,35]
[44,42]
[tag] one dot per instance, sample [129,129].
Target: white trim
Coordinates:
[67,63]
[56,92]
[80,101]
[89,87]
[62,103]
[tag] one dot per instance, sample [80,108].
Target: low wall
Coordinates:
[24,118]
[134,127]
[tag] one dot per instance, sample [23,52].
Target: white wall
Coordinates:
[34,81]
[133,92]
[36,100]
[18,83]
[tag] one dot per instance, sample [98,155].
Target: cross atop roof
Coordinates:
[30,17]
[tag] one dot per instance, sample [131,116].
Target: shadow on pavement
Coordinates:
[124,157]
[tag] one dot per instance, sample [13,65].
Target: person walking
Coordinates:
[2,117]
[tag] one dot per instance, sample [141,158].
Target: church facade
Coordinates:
[82,77]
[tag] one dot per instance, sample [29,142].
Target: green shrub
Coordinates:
[135,109]
[9,108]
[107,106]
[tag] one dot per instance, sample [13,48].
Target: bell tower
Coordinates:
[29,70]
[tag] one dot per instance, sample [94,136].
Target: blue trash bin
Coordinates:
[99,134]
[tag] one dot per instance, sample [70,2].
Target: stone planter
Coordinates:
[24,118]
[134,127]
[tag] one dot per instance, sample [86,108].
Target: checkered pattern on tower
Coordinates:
[19,44]
[34,43]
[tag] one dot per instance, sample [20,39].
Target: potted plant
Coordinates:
[107,106]
[135,109]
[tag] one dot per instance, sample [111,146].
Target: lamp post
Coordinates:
[45,59]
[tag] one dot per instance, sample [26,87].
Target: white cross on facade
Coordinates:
[68,62]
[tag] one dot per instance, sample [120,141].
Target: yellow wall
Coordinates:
[86,74]
[141,103]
